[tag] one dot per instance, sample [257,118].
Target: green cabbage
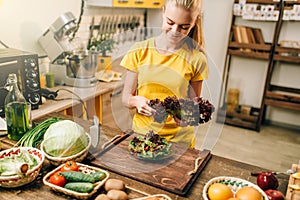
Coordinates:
[64,138]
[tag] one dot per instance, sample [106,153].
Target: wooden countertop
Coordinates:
[217,166]
[57,105]
[65,99]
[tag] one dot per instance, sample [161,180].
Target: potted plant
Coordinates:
[103,46]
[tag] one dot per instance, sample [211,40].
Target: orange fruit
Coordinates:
[248,193]
[219,191]
[233,198]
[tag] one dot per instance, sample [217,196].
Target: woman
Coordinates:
[171,64]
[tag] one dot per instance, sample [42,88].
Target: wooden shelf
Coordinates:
[259,1]
[284,89]
[282,104]
[282,100]
[255,47]
[237,119]
[269,2]
[285,54]
[279,96]
[249,54]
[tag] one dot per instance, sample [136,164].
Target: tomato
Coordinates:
[70,166]
[146,148]
[58,179]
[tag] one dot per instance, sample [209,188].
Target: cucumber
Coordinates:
[98,176]
[81,187]
[74,176]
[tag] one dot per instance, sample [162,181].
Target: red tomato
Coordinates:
[58,179]
[69,166]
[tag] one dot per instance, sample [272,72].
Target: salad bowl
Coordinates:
[20,166]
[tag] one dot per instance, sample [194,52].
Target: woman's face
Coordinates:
[177,22]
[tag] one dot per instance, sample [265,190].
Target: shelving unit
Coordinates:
[272,53]
[277,95]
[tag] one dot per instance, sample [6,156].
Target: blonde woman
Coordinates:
[170,64]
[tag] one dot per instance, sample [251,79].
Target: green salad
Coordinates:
[17,164]
[150,147]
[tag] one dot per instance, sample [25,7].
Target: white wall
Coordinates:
[24,21]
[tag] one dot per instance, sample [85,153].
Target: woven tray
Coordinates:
[71,193]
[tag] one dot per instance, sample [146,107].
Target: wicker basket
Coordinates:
[56,161]
[233,183]
[83,168]
[16,180]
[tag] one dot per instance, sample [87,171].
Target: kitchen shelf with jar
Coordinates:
[251,46]
[278,95]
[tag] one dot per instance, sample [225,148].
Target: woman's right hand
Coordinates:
[142,105]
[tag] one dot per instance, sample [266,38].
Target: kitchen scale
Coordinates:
[71,63]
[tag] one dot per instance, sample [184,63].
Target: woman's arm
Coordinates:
[129,97]
[195,89]
[129,89]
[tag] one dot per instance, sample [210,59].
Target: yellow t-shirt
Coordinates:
[160,76]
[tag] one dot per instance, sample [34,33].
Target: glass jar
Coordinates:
[16,110]
[233,100]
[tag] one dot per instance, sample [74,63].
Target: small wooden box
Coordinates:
[292,194]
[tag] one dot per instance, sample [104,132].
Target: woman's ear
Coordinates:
[197,19]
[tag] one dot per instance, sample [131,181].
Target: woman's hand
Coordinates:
[129,98]
[142,105]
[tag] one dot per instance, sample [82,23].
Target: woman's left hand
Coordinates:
[142,106]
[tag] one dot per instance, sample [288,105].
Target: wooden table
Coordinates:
[217,166]
[68,101]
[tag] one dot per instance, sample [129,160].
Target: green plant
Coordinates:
[104,46]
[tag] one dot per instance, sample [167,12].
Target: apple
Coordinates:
[267,180]
[274,194]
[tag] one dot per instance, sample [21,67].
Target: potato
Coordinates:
[114,184]
[102,197]
[117,195]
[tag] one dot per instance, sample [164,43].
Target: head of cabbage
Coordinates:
[64,138]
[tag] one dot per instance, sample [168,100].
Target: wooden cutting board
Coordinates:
[175,174]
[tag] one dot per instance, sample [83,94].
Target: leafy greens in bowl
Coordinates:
[65,140]
[20,166]
[150,147]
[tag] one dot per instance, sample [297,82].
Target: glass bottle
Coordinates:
[16,110]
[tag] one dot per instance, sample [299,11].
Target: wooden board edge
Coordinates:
[207,157]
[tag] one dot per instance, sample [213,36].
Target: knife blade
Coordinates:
[113,142]
[91,36]
[95,132]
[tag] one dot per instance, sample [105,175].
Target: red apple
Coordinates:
[267,180]
[274,194]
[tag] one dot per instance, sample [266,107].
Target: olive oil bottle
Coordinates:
[16,110]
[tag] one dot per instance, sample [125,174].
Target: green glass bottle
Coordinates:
[16,110]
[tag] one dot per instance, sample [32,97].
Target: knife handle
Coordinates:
[257,173]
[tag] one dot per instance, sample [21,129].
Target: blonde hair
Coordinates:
[196,40]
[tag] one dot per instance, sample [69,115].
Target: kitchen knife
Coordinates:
[110,144]
[95,132]
[91,36]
